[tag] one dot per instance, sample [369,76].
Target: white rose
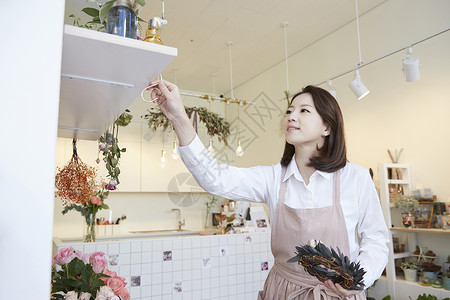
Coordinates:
[85,296]
[72,295]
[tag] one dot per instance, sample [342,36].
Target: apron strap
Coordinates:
[336,189]
[283,185]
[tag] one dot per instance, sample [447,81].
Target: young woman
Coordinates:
[312,194]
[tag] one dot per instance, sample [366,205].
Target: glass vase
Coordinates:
[89,231]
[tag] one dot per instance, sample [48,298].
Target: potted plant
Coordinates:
[446,280]
[410,270]
[406,203]
[429,269]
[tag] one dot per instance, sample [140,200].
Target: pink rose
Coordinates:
[72,295]
[85,296]
[116,283]
[123,293]
[85,258]
[98,261]
[64,256]
[96,200]
[109,273]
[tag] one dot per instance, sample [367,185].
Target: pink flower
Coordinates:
[109,273]
[72,295]
[96,200]
[65,256]
[116,283]
[98,261]
[102,146]
[85,258]
[123,293]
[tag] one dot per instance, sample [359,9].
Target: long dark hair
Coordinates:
[332,156]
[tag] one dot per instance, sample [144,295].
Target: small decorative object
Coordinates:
[325,263]
[446,280]
[215,125]
[100,15]
[429,269]
[410,270]
[406,203]
[209,205]
[83,276]
[408,220]
[77,187]
[122,19]
[153,33]
[223,221]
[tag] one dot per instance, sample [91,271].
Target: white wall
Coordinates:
[396,114]
[30,59]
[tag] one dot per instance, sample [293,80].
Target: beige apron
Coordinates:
[294,227]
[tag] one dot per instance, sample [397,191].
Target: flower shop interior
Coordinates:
[160,230]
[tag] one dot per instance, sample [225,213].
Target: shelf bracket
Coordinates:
[122,84]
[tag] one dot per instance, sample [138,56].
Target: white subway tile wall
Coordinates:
[189,268]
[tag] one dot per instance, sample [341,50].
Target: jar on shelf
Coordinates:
[122,19]
[153,33]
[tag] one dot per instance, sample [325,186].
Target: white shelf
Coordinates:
[397,181]
[101,75]
[402,255]
[423,230]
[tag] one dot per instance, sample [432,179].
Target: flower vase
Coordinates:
[89,232]
[222,230]
[410,275]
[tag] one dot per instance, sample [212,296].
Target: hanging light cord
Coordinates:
[357,29]
[231,69]
[286,55]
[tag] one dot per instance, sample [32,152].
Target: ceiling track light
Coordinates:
[358,88]
[331,90]
[411,66]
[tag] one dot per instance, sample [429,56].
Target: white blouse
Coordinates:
[367,232]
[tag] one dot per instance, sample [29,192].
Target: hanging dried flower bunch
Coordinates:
[215,124]
[75,183]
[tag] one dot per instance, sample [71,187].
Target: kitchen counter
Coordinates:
[190,267]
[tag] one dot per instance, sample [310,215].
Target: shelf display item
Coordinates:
[153,33]
[122,20]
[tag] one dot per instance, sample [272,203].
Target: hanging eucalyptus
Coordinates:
[215,124]
[109,147]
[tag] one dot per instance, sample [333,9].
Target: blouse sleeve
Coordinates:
[242,184]
[372,230]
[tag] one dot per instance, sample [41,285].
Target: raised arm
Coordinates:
[171,104]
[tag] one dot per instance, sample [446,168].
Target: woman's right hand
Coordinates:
[169,100]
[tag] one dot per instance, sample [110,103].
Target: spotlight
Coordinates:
[358,88]
[332,90]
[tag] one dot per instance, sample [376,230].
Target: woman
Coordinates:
[313,193]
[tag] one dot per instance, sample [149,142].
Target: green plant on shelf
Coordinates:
[98,21]
[406,203]
[413,265]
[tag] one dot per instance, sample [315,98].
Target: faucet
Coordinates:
[180,223]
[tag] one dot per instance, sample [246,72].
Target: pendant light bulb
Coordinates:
[239,150]
[174,151]
[211,149]
[163,158]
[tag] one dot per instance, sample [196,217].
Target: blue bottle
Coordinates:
[122,19]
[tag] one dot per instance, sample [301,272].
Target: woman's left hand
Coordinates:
[335,287]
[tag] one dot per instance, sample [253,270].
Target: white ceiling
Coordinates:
[200,29]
